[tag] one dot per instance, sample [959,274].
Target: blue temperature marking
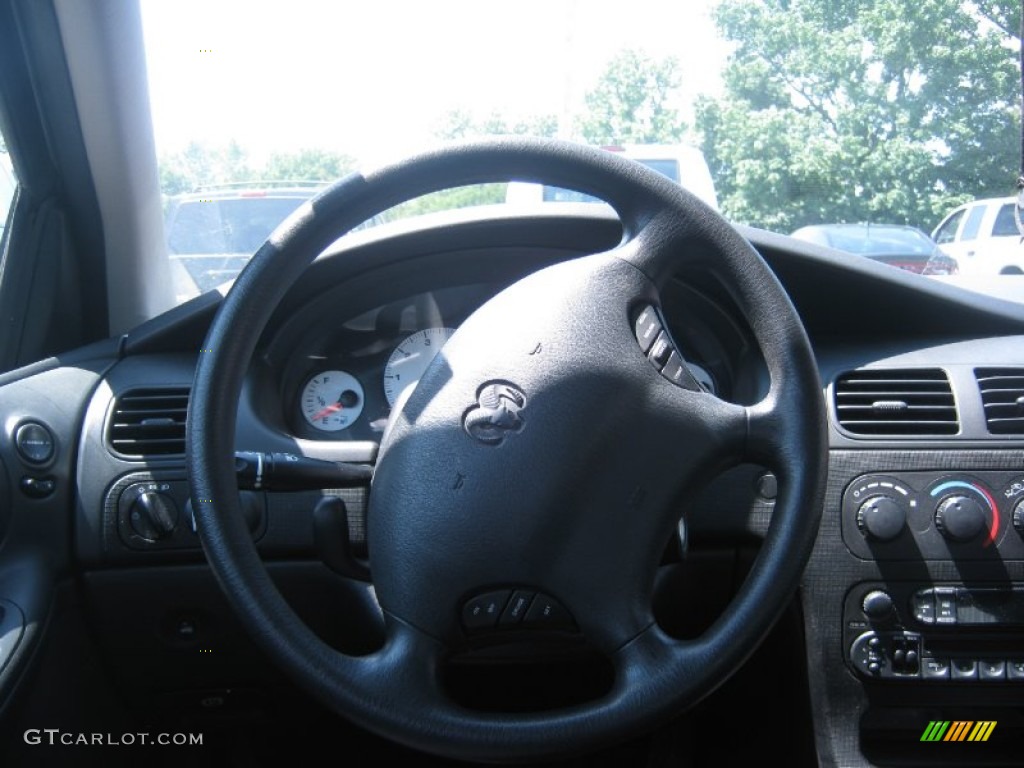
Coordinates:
[952,484]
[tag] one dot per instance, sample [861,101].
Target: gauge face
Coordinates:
[410,359]
[332,401]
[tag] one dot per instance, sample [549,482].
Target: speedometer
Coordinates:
[410,359]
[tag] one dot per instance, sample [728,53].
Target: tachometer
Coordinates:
[332,400]
[410,359]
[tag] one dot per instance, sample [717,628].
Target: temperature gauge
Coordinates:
[332,401]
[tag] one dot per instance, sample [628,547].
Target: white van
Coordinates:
[681,163]
[983,237]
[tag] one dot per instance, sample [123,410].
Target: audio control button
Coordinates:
[877,605]
[989,669]
[945,606]
[1015,669]
[922,605]
[964,669]
[935,669]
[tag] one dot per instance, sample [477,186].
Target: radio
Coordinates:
[947,632]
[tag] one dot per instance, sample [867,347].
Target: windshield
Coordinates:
[798,114]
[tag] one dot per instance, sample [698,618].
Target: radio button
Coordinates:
[922,605]
[1015,669]
[964,669]
[877,605]
[945,606]
[935,669]
[992,670]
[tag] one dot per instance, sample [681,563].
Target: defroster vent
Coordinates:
[149,422]
[896,403]
[1002,393]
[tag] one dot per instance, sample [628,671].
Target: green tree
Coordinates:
[632,102]
[463,124]
[307,165]
[874,110]
[201,165]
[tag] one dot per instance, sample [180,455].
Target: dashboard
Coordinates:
[911,605]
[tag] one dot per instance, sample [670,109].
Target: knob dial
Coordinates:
[153,515]
[960,518]
[877,605]
[882,518]
[1018,517]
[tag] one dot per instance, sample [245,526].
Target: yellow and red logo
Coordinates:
[958,730]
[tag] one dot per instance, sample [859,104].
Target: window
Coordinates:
[973,223]
[947,232]
[1006,223]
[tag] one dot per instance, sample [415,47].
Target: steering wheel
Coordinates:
[540,453]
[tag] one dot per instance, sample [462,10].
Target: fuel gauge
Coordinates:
[332,401]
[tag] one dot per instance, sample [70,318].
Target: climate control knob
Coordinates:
[881,518]
[960,518]
[153,515]
[1018,517]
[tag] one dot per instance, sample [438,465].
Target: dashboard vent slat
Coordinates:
[896,403]
[149,422]
[1002,395]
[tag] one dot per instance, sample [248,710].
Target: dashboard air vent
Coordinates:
[896,402]
[1002,393]
[149,422]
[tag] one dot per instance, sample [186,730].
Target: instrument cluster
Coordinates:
[339,369]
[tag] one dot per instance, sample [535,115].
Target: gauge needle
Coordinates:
[332,408]
[346,399]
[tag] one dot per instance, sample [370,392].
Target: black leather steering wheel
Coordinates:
[541,451]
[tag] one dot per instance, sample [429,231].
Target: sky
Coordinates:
[375,79]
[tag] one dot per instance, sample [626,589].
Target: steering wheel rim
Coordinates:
[586,317]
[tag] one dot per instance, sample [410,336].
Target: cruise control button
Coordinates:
[483,611]
[674,369]
[516,608]
[547,613]
[661,349]
[647,328]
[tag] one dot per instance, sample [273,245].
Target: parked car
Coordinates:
[896,245]
[983,237]
[213,232]
[682,163]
